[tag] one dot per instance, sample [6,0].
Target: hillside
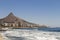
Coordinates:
[14,22]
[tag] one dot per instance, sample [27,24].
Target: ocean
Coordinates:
[32,34]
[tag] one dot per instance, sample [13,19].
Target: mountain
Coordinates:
[12,21]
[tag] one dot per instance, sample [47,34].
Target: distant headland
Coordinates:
[11,21]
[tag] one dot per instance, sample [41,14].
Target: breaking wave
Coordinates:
[21,34]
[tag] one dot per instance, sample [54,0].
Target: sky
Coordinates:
[37,11]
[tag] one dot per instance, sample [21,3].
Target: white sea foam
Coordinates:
[31,35]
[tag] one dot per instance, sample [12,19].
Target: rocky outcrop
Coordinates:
[15,22]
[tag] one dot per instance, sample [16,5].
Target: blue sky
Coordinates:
[37,11]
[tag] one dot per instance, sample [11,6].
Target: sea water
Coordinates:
[31,34]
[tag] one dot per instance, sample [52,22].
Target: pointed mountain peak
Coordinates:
[11,14]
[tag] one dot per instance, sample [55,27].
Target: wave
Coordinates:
[20,34]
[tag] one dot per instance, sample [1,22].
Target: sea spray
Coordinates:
[30,35]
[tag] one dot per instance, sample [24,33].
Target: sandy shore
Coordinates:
[1,37]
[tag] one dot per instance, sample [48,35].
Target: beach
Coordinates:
[1,37]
